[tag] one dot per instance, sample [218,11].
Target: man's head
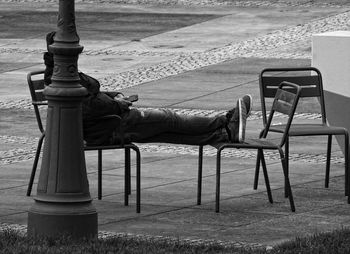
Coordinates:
[48,58]
[49,39]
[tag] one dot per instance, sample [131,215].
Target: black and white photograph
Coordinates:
[174,126]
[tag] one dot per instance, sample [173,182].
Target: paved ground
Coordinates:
[196,59]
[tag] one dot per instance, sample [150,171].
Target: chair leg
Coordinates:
[127,176]
[328,161]
[138,179]
[267,182]
[200,174]
[218,169]
[287,183]
[99,174]
[347,175]
[257,166]
[257,169]
[127,171]
[35,164]
[286,157]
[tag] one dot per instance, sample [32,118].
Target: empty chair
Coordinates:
[285,102]
[310,80]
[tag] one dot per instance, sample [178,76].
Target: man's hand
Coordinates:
[119,96]
[123,104]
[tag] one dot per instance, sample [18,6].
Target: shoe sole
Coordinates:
[241,125]
[251,104]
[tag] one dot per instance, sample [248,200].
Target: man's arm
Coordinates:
[96,106]
[123,103]
[113,94]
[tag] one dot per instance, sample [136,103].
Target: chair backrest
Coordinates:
[36,85]
[35,80]
[308,78]
[285,102]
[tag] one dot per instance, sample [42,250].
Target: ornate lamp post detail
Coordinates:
[63,203]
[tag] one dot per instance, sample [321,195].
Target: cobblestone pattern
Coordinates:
[278,44]
[263,46]
[237,3]
[25,152]
[255,115]
[6,139]
[22,231]
[11,103]
[141,53]
[9,49]
[17,155]
[28,145]
[28,152]
[237,153]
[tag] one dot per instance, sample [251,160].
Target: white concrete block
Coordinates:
[331,55]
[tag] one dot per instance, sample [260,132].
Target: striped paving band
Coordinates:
[276,43]
[238,3]
[284,43]
[262,47]
[27,105]
[27,152]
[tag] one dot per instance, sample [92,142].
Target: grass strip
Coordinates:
[11,241]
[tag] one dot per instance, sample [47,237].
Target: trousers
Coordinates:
[164,125]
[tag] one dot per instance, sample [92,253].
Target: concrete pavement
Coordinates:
[200,69]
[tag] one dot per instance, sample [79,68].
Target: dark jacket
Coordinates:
[96,129]
[95,105]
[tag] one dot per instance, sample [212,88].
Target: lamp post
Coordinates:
[63,204]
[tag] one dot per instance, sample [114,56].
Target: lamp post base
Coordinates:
[63,205]
[52,220]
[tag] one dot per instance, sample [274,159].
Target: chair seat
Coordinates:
[102,147]
[308,129]
[248,144]
[107,147]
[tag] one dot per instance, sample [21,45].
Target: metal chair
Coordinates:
[285,102]
[36,86]
[310,80]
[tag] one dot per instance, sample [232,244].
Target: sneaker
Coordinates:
[242,110]
[237,122]
[248,101]
[232,123]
